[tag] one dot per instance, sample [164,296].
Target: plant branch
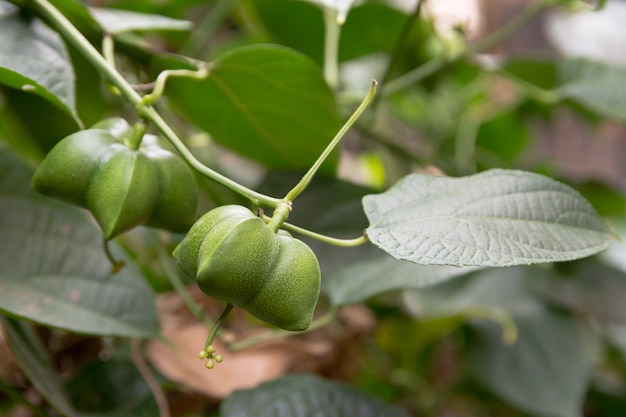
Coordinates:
[217,325]
[436,64]
[332,31]
[322,238]
[65,27]
[148,377]
[306,179]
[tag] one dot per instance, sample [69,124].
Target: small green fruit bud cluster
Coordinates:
[210,356]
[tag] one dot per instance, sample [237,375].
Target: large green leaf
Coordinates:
[597,86]
[112,388]
[370,28]
[54,271]
[34,58]
[547,369]
[36,364]
[304,396]
[365,279]
[590,289]
[495,218]
[267,102]
[545,372]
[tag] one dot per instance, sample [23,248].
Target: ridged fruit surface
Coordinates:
[235,257]
[121,186]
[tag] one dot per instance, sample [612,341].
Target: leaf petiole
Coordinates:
[322,238]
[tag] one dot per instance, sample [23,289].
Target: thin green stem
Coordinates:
[346,243]
[280,333]
[149,378]
[511,27]
[306,179]
[257,198]
[116,265]
[159,86]
[217,325]
[332,32]
[484,44]
[465,141]
[65,28]
[138,132]
[108,49]
[498,315]
[279,216]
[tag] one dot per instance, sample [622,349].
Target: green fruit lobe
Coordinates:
[235,257]
[122,187]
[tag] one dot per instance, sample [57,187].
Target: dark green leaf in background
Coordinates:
[502,138]
[370,28]
[360,281]
[54,271]
[33,58]
[304,396]
[546,371]
[495,218]
[112,388]
[37,365]
[597,86]
[266,102]
[542,73]
[590,289]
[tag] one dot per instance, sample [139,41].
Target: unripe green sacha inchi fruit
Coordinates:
[122,187]
[235,257]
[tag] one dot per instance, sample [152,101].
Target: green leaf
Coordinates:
[597,86]
[504,137]
[36,364]
[493,288]
[547,369]
[304,396]
[363,280]
[120,21]
[54,269]
[303,31]
[590,289]
[495,218]
[545,372]
[537,71]
[112,387]
[266,102]
[370,28]
[33,58]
